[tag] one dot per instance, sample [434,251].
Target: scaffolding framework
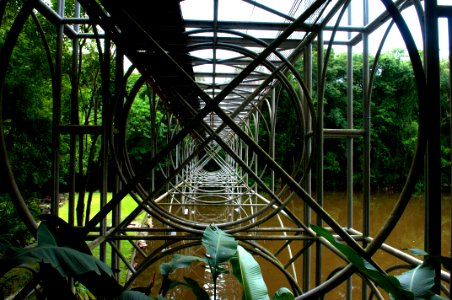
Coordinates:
[215,75]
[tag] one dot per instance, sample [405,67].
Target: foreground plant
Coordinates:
[221,250]
[413,284]
[58,255]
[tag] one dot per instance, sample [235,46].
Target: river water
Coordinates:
[407,234]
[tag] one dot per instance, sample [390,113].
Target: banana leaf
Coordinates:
[283,294]
[248,272]
[389,283]
[420,281]
[178,261]
[45,236]
[87,269]
[62,262]
[67,261]
[220,247]
[64,235]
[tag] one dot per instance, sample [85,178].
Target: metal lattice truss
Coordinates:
[217,69]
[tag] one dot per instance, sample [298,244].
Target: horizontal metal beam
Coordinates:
[237,41]
[265,26]
[80,129]
[444,11]
[341,133]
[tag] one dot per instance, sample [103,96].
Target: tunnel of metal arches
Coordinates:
[217,70]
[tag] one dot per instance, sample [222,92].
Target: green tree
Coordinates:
[26,116]
[393,116]
[394,120]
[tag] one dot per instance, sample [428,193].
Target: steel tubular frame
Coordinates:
[231,105]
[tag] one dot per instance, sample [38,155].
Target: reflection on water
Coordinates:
[227,286]
[407,234]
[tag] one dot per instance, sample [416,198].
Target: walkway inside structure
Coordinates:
[218,68]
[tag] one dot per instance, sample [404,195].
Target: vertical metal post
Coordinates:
[349,140]
[104,147]
[319,132]
[433,163]
[307,61]
[116,213]
[366,125]
[154,134]
[256,158]
[245,154]
[272,135]
[349,145]
[56,110]
[449,23]
[168,138]
[74,118]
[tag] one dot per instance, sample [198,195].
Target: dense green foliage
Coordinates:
[393,115]
[27,116]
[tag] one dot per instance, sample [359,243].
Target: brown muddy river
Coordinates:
[407,234]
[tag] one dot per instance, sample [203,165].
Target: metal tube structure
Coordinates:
[167,117]
[433,164]
[320,153]
[350,140]
[56,110]
[449,20]
[307,60]
[367,119]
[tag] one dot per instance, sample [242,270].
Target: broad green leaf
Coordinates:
[64,262]
[199,292]
[420,280]
[248,273]
[220,247]
[45,236]
[67,261]
[179,261]
[133,295]
[385,281]
[283,294]
[64,234]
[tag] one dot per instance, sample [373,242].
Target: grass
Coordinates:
[127,206]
